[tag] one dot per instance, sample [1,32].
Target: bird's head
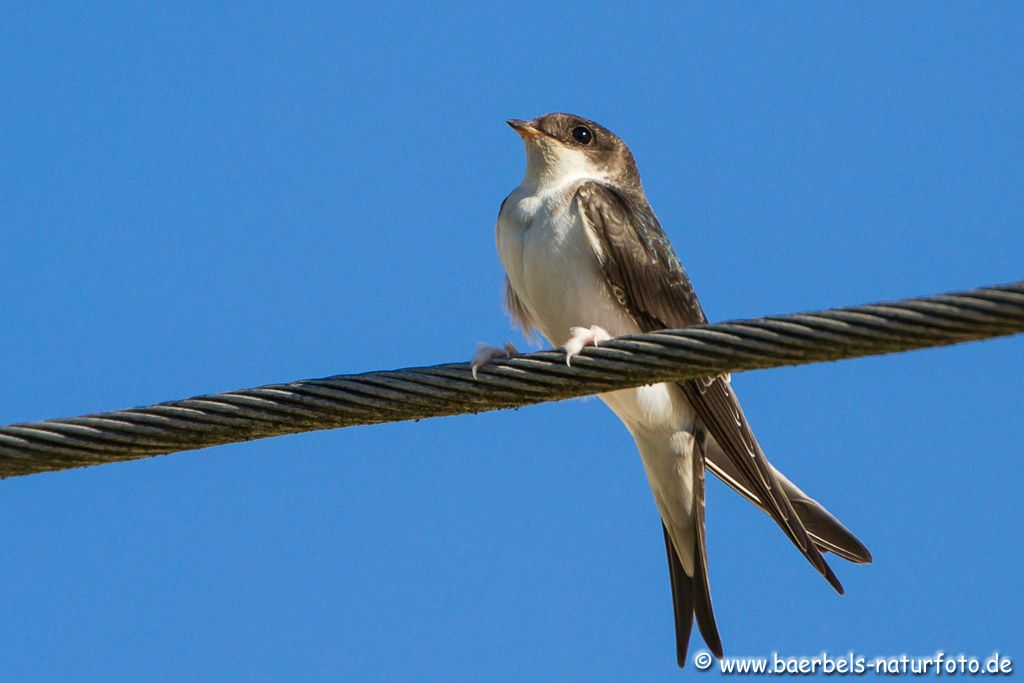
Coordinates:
[562,148]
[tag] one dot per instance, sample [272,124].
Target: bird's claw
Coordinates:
[485,353]
[583,336]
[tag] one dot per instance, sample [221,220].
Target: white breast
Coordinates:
[552,266]
[554,270]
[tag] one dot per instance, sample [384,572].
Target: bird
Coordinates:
[586,260]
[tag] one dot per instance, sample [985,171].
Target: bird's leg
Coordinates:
[583,336]
[485,353]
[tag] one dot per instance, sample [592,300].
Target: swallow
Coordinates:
[585,261]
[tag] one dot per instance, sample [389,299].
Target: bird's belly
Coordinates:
[554,271]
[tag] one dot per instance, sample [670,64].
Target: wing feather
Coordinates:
[827,532]
[517,311]
[646,276]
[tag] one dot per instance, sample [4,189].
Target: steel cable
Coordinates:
[417,393]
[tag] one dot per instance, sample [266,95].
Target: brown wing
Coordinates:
[644,272]
[827,532]
[648,280]
[717,407]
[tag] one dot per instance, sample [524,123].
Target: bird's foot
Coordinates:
[583,336]
[704,383]
[485,353]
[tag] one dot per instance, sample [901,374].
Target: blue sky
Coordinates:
[196,199]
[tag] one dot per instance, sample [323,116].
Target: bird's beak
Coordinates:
[526,129]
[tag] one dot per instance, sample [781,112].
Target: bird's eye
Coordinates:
[582,135]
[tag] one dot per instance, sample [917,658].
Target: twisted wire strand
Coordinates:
[417,393]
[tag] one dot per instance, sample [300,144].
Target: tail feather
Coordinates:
[682,600]
[701,587]
[691,595]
